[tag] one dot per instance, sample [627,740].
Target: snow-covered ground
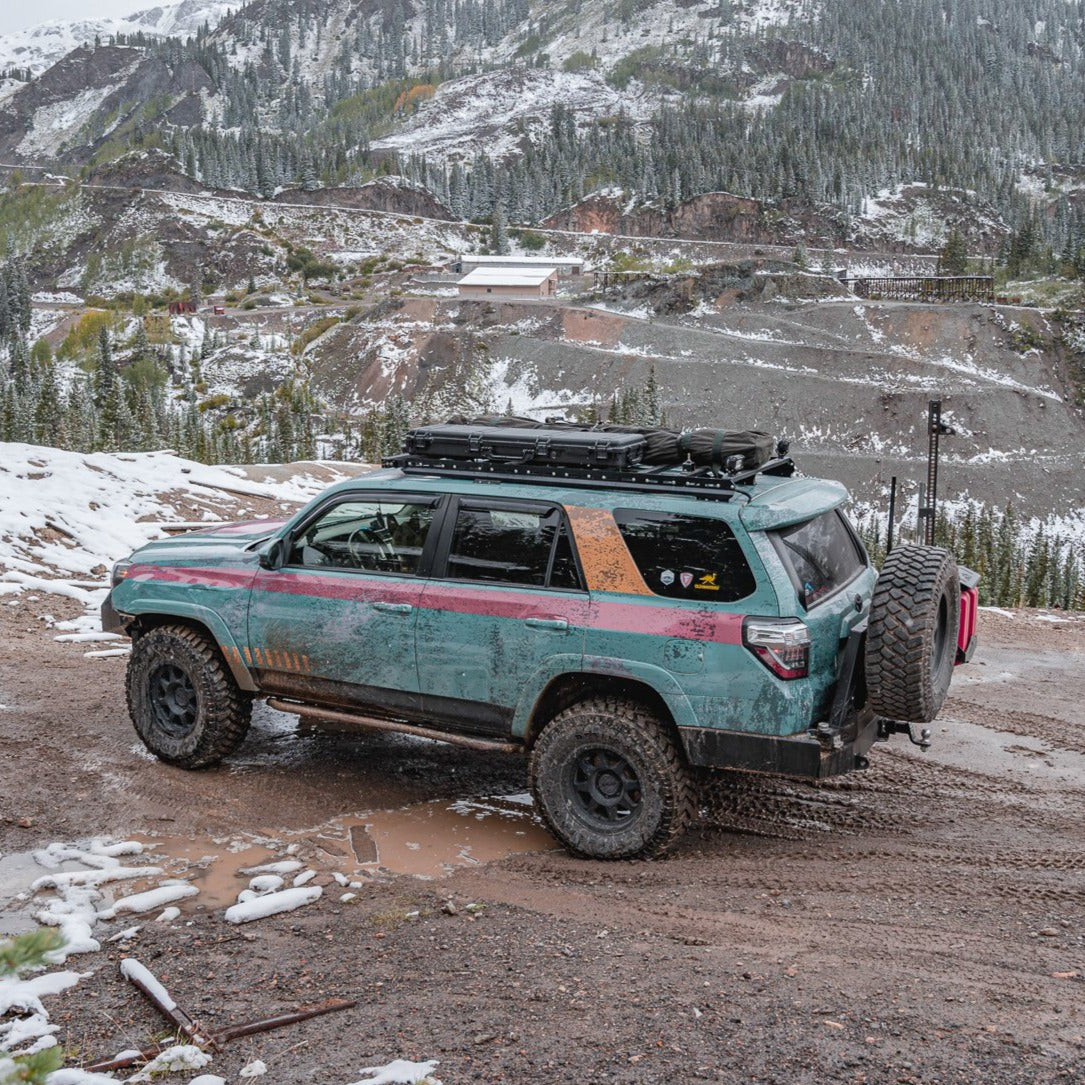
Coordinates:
[511,101]
[66,517]
[40,46]
[68,894]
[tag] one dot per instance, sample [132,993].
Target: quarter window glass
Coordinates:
[512,547]
[686,557]
[384,536]
[823,554]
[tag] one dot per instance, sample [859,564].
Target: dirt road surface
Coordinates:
[923,921]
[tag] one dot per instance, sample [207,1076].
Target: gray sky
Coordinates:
[17,14]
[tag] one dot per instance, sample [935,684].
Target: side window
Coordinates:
[385,535]
[512,546]
[823,554]
[686,557]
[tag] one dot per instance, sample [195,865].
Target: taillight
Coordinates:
[782,644]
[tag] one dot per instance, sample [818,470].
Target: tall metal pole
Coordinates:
[934,430]
[892,513]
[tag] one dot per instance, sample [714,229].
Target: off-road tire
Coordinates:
[647,796]
[184,703]
[911,643]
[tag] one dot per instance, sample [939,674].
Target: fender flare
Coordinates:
[660,681]
[211,621]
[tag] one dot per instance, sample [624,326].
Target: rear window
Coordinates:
[686,557]
[823,555]
[512,546]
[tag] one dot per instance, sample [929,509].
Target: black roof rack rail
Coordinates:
[704,482]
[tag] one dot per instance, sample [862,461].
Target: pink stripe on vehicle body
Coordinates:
[645,616]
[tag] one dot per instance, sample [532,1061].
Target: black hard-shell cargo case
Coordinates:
[557,447]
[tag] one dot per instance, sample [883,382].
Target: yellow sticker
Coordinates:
[707,583]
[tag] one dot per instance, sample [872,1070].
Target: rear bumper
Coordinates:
[813,754]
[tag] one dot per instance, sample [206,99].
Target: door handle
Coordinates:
[394,608]
[560,624]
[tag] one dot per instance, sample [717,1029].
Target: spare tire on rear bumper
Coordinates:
[911,643]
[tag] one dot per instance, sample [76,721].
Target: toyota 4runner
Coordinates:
[621,616]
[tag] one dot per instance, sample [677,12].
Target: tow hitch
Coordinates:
[917,734]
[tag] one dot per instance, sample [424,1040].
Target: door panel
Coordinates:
[509,599]
[338,620]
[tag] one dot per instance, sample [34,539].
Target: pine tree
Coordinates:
[499,238]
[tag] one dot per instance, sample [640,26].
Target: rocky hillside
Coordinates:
[821,111]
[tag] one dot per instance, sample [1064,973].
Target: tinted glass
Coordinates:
[512,547]
[823,554]
[384,536]
[686,557]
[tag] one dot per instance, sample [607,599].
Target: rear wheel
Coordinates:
[911,641]
[184,703]
[610,782]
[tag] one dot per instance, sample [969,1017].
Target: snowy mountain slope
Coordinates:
[39,47]
[67,516]
[492,113]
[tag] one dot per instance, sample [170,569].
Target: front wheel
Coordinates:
[610,782]
[184,703]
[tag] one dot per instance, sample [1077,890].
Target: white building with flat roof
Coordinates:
[509,282]
[564,265]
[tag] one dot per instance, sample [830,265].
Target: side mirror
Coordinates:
[271,556]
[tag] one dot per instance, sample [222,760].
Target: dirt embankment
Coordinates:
[918,922]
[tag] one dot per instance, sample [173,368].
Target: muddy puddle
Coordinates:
[426,840]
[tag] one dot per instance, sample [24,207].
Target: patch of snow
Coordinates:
[266,883]
[273,903]
[171,1061]
[138,903]
[400,1072]
[283,866]
[61,298]
[33,1031]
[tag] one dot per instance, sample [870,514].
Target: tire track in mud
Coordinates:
[1054,732]
[896,795]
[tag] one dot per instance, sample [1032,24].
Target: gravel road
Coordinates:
[923,921]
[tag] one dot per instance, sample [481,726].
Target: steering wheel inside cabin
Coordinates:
[368,549]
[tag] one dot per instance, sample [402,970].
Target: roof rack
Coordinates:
[709,463]
[702,482]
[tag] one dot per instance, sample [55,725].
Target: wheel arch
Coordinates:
[565,690]
[207,623]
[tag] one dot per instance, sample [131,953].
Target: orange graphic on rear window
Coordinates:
[607,563]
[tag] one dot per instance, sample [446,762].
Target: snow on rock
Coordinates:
[400,1072]
[273,903]
[170,1061]
[266,883]
[511,100]
[256,1068]
[208,1079]
[168,915]
[282,866]
[138,903]
[33,1031]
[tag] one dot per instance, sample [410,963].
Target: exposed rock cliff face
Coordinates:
[393,195]
[715,216]
[89,96]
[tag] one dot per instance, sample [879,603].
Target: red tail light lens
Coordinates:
[782,644]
